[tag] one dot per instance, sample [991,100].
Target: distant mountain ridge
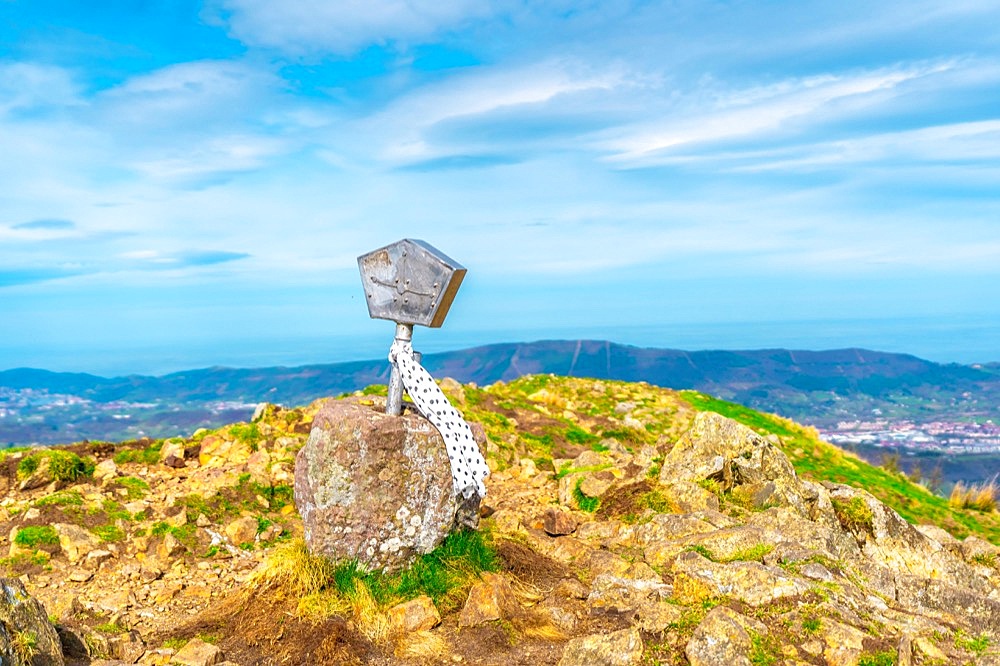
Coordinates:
[815,387]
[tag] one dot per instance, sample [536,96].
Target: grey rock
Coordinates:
[197,652]
[723,637]
[374,487]
[726,451]
[619,648]
[557,522]
[23,615]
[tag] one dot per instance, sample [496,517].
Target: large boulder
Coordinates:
[723,450]
[374,487]
[26,635]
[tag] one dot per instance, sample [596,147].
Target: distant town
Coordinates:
[936,436]
[35,416]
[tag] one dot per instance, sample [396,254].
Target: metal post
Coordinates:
[394,400]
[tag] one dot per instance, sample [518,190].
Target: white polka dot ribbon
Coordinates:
[468,468]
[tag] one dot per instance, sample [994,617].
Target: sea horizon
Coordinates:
[960,339]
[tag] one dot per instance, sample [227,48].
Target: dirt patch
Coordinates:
[258,630]
[624,500]
[530,567]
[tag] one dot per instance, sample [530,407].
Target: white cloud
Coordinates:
[344,26]
[192,95]
[403,128]
[214,155]
[26,86]
[758,111]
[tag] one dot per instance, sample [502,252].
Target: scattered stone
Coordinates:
[618,648]
[723,637]
[197,652]
[170,547]
[104,470]
[259,412]
[128,647]
[75,541]
[242,530]
[158,657]
[174,461]
[95,558]
[418,614]
[486,601]
[625,593]
[557,522]
[697,578]
[172,449]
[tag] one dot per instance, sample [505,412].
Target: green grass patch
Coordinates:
[752,554]
[135,488]
[263,523]
[656,501]
[109,533]
[247,433]
[444,574]
[577,435]
[692,617]
[16,564]
[568,469]
[34,536]
[376,389]
[111,628]
[986,559]
[583,501]
[113,510]
[880,658]
[812,625]
[975,644]
[764,650]
[63,465]
[530,384]
[237,499]
[147,456]
[61,498]
[854,514]
[701,550]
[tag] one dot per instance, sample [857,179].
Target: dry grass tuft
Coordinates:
[981,497]
[321,606]
[291,568]
[538,626]
[425,646]
[369,617]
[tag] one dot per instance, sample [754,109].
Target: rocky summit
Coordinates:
[624,524]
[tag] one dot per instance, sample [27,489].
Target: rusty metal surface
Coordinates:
[410,282]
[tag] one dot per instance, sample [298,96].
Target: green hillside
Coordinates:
[546,418]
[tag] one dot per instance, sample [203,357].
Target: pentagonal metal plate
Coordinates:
[410,282]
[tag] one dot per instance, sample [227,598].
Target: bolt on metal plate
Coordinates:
[410,282]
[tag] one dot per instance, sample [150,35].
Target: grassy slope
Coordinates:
[545,417]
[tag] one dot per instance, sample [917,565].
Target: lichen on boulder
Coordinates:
[26,635]
[375,488]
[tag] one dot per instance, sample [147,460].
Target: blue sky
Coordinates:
[187,183]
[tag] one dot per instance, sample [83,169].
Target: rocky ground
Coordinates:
[628,526]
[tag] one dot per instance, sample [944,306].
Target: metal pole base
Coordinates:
[394,400]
